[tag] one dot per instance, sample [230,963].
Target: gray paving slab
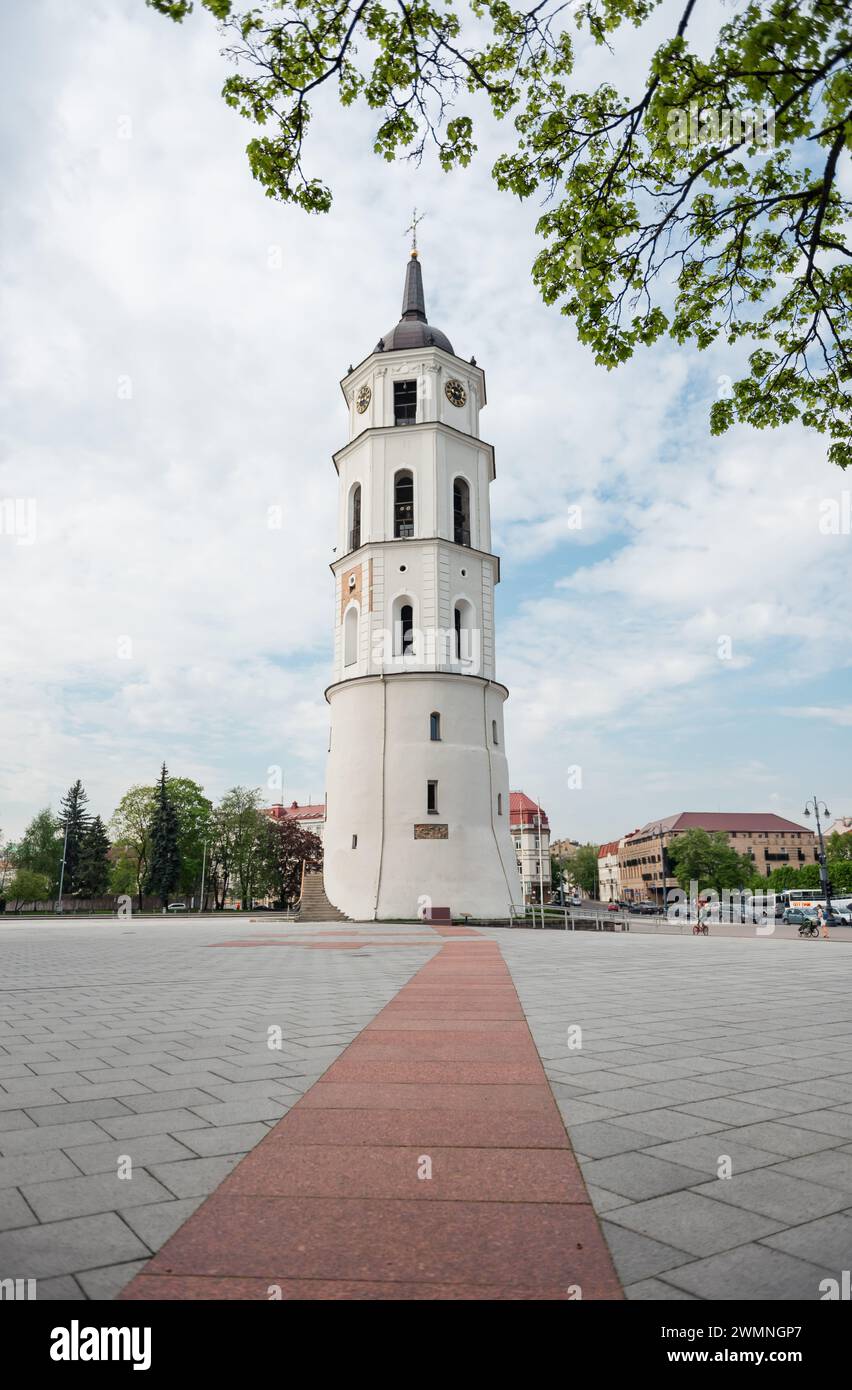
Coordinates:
[762,1026]
[753,1270]
[114,1042]
[775,1193]
[67,1247]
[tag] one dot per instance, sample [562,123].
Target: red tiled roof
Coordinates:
[296,812]
[524,811]
[611,847]
[744,822]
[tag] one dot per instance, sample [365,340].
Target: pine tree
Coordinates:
[93,868]
[164,870]
[74,818]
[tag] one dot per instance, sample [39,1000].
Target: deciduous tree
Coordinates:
[710,204]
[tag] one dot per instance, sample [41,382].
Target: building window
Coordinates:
[404,631]
[432,798]
[494,739]
[355,517]
[354,841]
[403,505]
[435,727]
[404,402]
[457,624]
[350,637]
[499,803]
[461,512]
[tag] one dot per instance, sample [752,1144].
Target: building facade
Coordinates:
[767,839]
[609,875]
[418,784]
[531,838]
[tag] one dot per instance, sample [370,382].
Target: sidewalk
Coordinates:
[429,1162]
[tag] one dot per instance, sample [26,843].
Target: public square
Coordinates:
[399,1137]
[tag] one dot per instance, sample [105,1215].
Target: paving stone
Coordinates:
[157,1223]
[782,1137]
[600,1139]
[193,1177]
[168,1100]
[638,1257]
[704,1151]
[43,1138]
[638,1175]
[831,1168]
[13,1120]
[749,1272]
[224,1139]
[35,1167]
[667,1124]
[70,1111]
[153,1148]
[826,1242]
[63,1289]
[771,1192]
[66,1247]
[691,1221]
[104,1284]
[825,1122]
[154,1122]
[70,1197]
[14,1211]
[655,1290]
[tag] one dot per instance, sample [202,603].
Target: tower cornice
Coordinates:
[428,673]
[345,560]
[427,354]
[412,430]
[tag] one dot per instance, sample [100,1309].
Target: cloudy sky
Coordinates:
[172,347]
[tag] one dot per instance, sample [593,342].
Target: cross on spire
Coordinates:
[412,228]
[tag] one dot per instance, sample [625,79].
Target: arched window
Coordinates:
[403,505]
[403,627]
[435,727]
[350,636]
[355,517]
[465,636]
[461,512]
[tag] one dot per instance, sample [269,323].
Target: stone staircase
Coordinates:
[314,906]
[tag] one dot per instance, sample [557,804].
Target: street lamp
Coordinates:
[813,807]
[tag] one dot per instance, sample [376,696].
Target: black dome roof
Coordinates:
[413,329]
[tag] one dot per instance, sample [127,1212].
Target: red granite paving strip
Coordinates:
[477,1073]
[535,1243]
[421,1129]
[467,1175]
[338,1200]
[160,1287]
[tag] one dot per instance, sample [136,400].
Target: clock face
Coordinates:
[455,392]
[363,399]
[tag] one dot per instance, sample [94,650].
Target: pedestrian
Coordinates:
[822,921]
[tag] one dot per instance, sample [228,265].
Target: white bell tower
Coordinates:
[418,785]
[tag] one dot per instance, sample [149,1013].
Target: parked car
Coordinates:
[797,916]
[177,907]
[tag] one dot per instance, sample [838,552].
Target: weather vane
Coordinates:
[412,228]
